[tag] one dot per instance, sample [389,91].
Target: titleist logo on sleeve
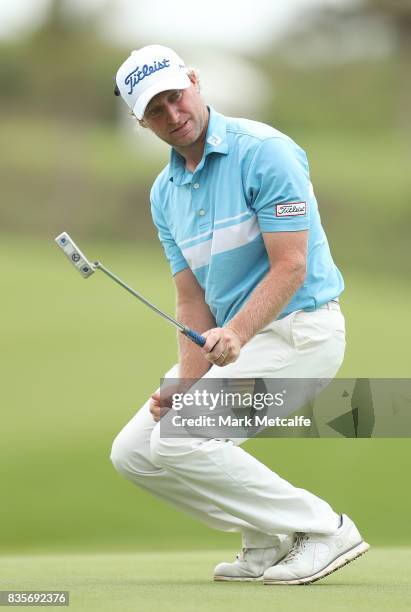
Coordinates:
[140,73]
[290,209]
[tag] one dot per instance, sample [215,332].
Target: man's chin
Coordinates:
[185,140]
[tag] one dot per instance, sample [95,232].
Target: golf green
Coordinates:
[180,581]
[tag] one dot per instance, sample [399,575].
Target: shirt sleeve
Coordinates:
[172,251]
[278,186]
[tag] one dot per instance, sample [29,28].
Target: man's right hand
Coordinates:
[155,407]
[160,404]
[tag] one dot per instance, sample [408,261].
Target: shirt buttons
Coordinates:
[201,212]
[196,185]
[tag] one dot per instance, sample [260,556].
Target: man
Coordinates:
[239,223]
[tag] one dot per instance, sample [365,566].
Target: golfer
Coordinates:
[238,220]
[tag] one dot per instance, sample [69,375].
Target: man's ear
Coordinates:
[194,81]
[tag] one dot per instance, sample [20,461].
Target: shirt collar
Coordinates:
[215,142]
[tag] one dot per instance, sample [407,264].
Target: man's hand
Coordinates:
[156,409]
[159,406]
[222,346]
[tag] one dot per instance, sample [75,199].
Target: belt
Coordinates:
[331,305]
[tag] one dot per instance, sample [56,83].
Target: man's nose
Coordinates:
[172,114]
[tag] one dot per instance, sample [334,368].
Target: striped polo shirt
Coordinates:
[251,179]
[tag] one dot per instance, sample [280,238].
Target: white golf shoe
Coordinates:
[314,556]
[251,563]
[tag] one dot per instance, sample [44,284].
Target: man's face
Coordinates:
[177,116]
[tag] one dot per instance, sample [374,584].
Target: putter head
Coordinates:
[77,258]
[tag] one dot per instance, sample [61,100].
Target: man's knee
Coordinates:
[130,457]
[120,454]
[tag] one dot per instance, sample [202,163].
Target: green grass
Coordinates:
[80,358]
[181,581]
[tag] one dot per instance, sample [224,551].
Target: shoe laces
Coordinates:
[298,547]
[241,556]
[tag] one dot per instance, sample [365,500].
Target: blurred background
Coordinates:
[78,359]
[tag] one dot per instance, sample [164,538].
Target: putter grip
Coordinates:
[194,336]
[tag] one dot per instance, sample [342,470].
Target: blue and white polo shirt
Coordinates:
[251,179]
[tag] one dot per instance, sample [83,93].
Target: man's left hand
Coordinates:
[222,346]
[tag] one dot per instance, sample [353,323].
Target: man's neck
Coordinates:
[193,153]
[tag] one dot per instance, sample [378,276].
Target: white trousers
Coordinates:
[215,480]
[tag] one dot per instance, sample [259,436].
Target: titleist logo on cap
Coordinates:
[140,73]
[290,209]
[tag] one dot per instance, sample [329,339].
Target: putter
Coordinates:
[86,269]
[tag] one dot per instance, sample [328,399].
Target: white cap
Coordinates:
[147,72]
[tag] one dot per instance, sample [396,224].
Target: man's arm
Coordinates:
[287,252]
[192,311]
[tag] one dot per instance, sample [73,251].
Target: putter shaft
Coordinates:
[99,265]
[86,269]
[190,333]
